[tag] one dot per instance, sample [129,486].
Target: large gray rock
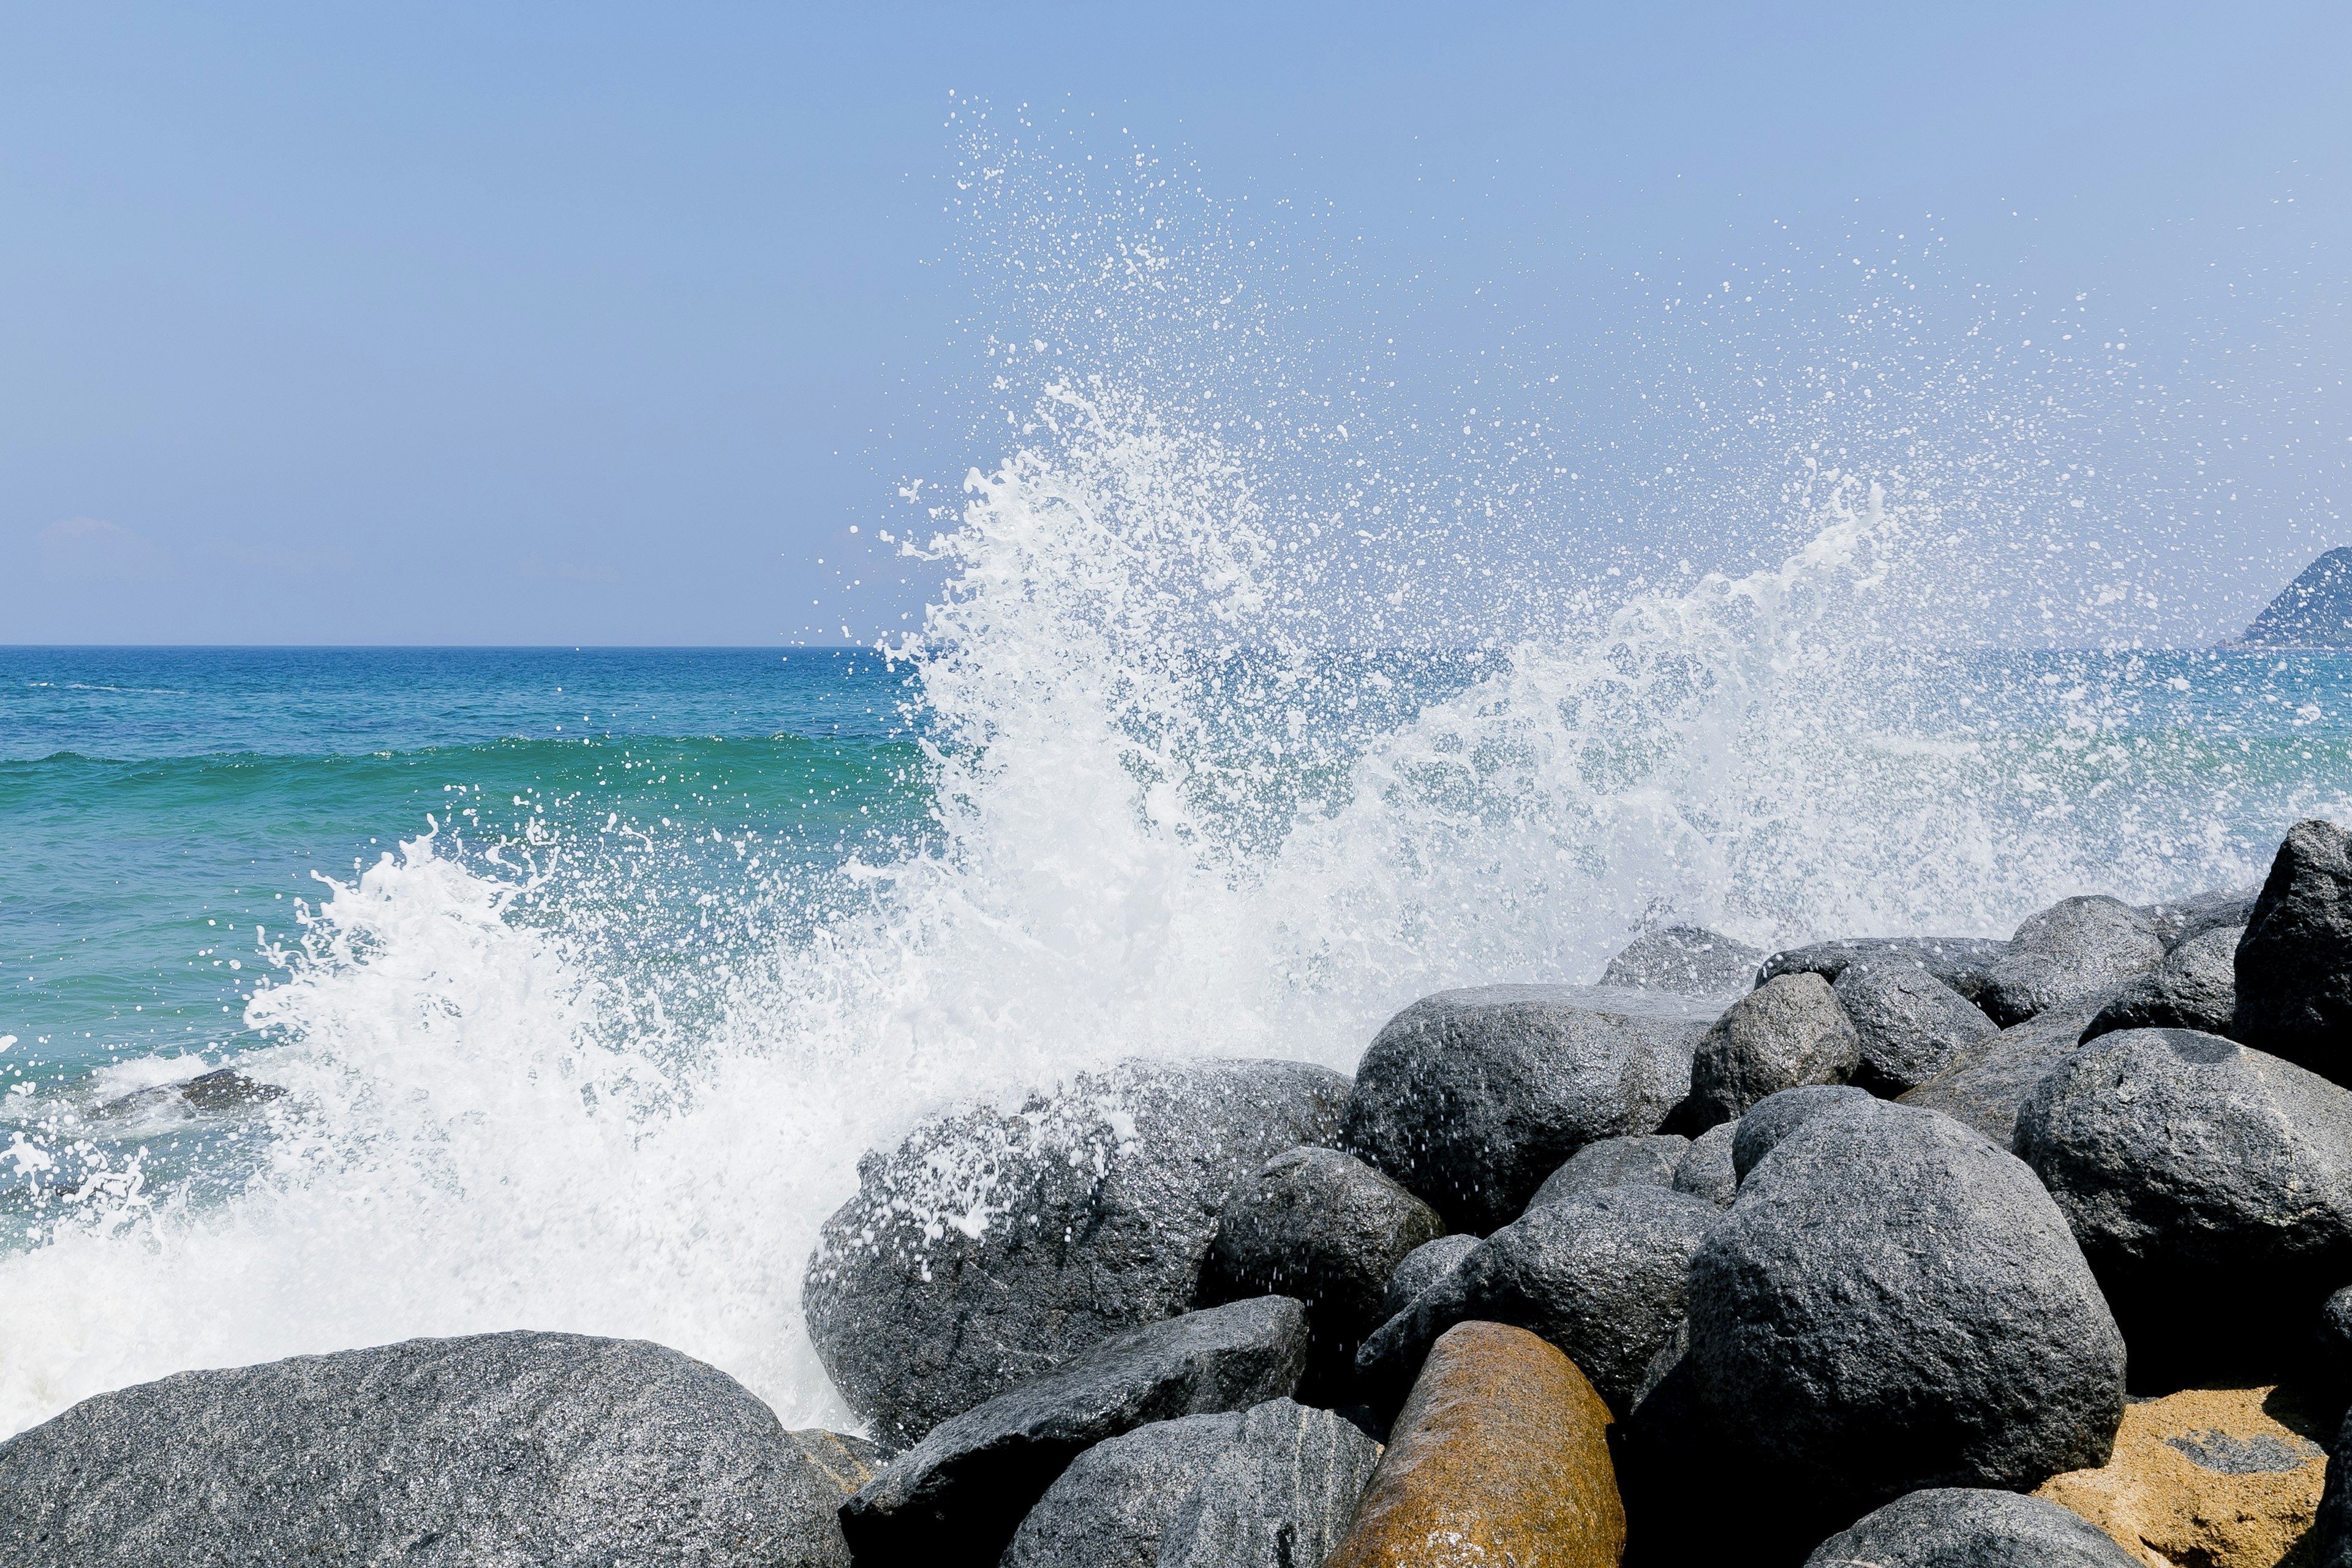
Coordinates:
[989,1248]
[2196,988]
[1111,1507]
[1756,1133]
[2294,962]
[1602,1276]
[2179,920]
[957,1496]
[1281,1498]
[1424,1267]
[1911,1024]
[1970,1527]
[1785,1034]
[1689,961]
[1987,1082]
[1894,1303]
[1637,1160]
[495,1450]
[1326,1229]
[1706,1170]
[2210,1187]
[1472,1098]
[1963,962]
[2073,948]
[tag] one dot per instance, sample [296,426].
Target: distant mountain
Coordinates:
[2316,610]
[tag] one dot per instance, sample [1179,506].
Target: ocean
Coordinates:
[580,979]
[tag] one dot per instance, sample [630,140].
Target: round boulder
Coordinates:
[1424,1266]
[2074,948]
[1910,1024]
[1640,1160]
[1787,1033]
[1755,1134]
[2210,1187]
[1894,1303]
[2294,962]
[2196,988]
[1689,961]
[1970,1527]
[1705,1170]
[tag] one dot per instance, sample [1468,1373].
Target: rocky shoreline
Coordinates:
[1902,1251]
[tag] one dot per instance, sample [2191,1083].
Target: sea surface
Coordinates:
[579,979]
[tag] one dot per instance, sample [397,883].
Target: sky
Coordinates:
[600,324]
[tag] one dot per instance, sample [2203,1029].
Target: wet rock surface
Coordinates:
[1896,1303]
[2294,965]
[1470,1099]
[2196,988]
[2073,949]
[1706,1170]
[1788,1033]
[1109,1509]
[959,1495]
[1602,1276]
[1280,1498]
[1422,1267]
[215,1093]
[1642,1160]
[2229,1478]
[1969,1527]
[496,1449]
[1756,1133]
[1963,962]
[1500,1454]
[1910,1024]
[989,1248]
[1688,960]
[2210,1187]
[1987,1082]
[2182,919]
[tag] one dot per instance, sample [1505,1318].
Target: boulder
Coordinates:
[1896,1303]
[1470,1099]
[1326,1229]
[2225,1478]
[218,1092]
[1281,1498]
[2294,962]
[1969,1527]
[1422,1267]
[2073,948]
[2210,1187]
[1788,1032]
[512,1447]
[1111,1507]
[2180,920]
[1756,1133]
[1910,1024]
[958,1495]
[1963,962]
[1499,1456]
[2196,988]
[1602,1276]
[1988,1080]
[990,1248]
[1706,1170]
[1688,960]
[1638,1160]
[2334,1336]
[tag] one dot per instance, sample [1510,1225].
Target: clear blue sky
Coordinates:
[600,324]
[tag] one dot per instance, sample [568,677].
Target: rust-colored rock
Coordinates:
[1500,1456]
[2221,1478]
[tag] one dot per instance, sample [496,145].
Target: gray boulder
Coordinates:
[1787,1033]
[2180,920]
[1326,1229]
[2073,948]
[1706,1170]
[1970,1527]
[1281,1498]
[1963,962]
[2294,962]
[958,1496]
[1894,1303]
[1637,1160]
[1756,1133]
[2210,1187]
[1911,1024]
[1987,1082]
[495,1448]
[1422,1267]
[1602,1276]
[1470,1099]
[989,1248]
[1109,1508]
[2196,988]
[1688,960]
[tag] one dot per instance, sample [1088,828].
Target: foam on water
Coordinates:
[1162,827]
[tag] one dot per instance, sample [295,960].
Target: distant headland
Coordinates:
[2314,611]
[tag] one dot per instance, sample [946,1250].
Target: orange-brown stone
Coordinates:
[1500,1458]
